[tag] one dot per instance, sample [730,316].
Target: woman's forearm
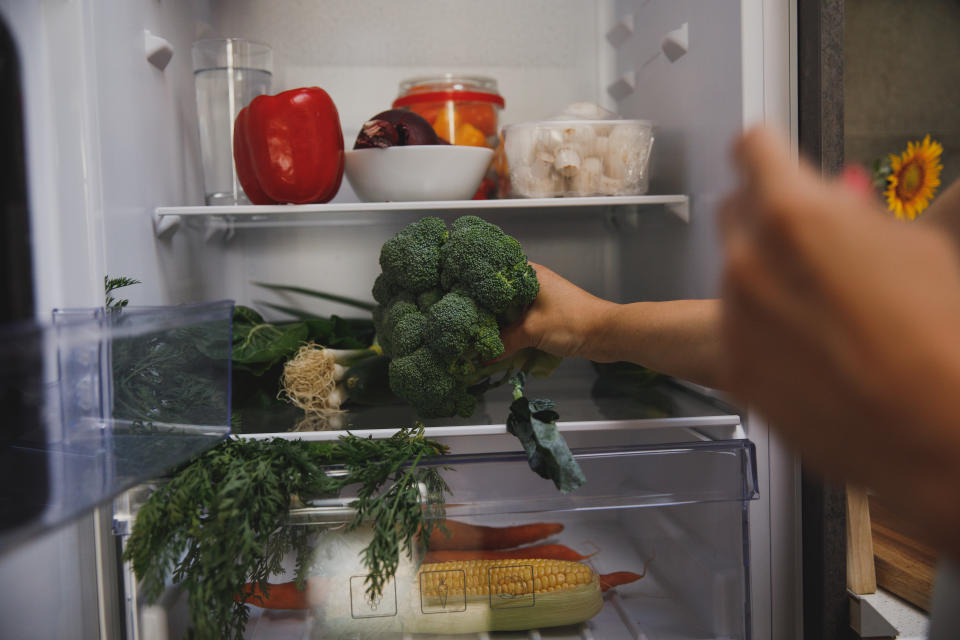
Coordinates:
[678,337]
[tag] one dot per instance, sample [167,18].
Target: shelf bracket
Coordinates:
[680,209]
[165,226]
[157,50]
[623,86]
[619,33]
[218,231]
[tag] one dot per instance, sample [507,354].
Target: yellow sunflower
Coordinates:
[914,178]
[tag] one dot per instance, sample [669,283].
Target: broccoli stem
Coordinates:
[529,361]
[518,381]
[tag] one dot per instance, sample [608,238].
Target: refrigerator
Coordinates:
[695,490]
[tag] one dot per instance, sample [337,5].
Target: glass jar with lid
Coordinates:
[463,110]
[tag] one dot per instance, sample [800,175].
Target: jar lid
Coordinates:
[448,86]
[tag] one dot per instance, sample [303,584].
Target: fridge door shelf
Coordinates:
[621,211]
[99,401]
[642,511]
[594,409]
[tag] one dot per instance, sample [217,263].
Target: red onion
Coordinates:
[396,128]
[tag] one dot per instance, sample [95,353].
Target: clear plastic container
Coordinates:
[100,401]
[463,110]
[555,158]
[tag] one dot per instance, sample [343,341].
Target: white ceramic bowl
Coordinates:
[418,172]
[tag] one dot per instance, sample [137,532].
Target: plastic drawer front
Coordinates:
[677,514]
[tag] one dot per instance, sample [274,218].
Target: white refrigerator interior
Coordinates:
[113,157]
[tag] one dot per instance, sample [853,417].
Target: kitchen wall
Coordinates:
[902,78]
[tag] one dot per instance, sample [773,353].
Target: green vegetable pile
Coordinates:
[221,520]
[443,297]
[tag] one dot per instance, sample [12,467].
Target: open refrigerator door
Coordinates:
[681,486]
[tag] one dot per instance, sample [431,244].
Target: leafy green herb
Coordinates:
[221,520]
[112,284]
[534,423]
[174,376]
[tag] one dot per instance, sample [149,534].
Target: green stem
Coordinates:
[352,302]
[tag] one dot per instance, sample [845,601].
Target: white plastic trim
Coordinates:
[165,226]
[158,50]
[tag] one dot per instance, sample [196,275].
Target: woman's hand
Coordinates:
[842,326]
[564,319]
[677,337]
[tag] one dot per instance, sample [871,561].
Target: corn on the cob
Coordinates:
[506,595]
[503,577]
[528,593]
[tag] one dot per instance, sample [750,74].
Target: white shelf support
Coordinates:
[676,43]
[623,86]
[158,50]
[620,32]
[165,225]
[680,209]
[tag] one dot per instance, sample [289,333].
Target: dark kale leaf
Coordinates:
[534,423]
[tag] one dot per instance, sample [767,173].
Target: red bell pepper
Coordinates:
[288,148]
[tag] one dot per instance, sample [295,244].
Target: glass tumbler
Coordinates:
[228,74]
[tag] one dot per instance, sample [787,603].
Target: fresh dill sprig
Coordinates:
[221,520]
[112,284]
[396,512]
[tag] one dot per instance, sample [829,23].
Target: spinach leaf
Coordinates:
[264,345]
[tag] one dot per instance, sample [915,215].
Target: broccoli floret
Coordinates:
[401,327]
[383,291]
[443,298]
[410,260]
[489,265]
[457,326]
[429,298]
[426,382]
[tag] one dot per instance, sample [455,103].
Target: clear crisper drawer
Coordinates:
[99,400]
[675,515]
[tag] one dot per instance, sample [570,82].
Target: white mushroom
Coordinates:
[587,180]
[582,135]
[567,162]
[585,111]
[626,148]
[520,146]
[612,186]
[542,166]
[525,183]
[600,146]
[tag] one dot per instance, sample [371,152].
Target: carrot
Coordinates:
[460,535]
[284,595]
[546,551]
[617,578]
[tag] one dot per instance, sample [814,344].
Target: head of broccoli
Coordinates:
[443,297]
